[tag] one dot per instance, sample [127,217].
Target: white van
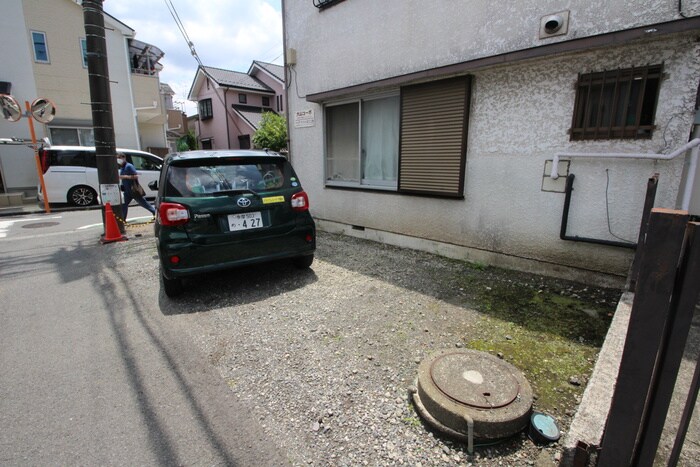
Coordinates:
[70,173]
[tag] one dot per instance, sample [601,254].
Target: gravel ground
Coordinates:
[324,357]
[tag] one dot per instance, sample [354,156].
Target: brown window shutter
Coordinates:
[433,143]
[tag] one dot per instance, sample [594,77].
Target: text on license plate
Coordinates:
[244,221]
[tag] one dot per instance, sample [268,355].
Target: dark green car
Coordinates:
[222,209]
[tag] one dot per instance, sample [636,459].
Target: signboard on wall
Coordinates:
[304,118]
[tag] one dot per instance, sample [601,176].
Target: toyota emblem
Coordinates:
[243,202]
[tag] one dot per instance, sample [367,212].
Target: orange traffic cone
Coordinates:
[112,233]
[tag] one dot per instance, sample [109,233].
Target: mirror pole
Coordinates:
[36,158]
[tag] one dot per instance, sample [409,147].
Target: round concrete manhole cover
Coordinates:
[38,225]
[459,388]
[474,380]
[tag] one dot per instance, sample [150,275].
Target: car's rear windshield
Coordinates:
[214,177]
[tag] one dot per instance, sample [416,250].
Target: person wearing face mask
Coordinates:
[129,177]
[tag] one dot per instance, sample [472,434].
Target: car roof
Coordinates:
[223,153]
[92,148]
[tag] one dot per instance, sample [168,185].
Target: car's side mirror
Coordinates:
[153,185]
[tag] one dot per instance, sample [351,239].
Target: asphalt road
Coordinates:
[93,371]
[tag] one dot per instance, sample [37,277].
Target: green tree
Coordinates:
[272,132]
[187,142]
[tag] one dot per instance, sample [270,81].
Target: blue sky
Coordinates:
[227,34]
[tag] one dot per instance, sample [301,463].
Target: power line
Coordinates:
[190,44]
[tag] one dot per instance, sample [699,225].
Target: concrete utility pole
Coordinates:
[101,103]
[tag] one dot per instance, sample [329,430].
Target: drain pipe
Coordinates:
[689,181]
[690,178]
[470,433]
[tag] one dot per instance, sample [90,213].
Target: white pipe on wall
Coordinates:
[693,144]
[690,179]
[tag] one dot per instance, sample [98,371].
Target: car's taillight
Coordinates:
[173,214]
[44,157]
[300,201]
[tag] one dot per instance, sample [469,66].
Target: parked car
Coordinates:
[70,173]
[222,209]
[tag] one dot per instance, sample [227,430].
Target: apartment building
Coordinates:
[44,55]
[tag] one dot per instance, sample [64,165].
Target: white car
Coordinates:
[70,173]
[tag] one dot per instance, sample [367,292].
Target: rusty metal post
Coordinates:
[685,296]
[652,185]
[650,310]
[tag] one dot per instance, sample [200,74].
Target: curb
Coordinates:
[589,422]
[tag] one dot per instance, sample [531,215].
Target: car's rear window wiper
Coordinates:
[235,191]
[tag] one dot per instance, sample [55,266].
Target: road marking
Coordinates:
[5,225]
[89,226]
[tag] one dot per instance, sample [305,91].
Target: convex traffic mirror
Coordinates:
[43,110]
[11,110]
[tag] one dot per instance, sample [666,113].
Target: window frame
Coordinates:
[280,103]
[362,182]
[446,101]
[242,98]
[83,51]
[603,100]
[205,109]
[266,101]
[34,46]
[83,139]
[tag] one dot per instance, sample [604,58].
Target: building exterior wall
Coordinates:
[275,86]
[404,36]
[126,133]
[519,118]
[16,162]
[64,79]
[239,127]
[151,136]
[151,115]
[215,128]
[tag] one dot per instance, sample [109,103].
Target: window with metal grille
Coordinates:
[205,110]
[617,104]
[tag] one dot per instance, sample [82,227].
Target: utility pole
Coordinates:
[101,103]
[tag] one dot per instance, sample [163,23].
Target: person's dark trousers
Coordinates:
[139,199]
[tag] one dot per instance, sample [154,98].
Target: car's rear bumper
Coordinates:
[196,258]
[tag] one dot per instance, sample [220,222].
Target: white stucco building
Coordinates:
[43,55]
[434,126]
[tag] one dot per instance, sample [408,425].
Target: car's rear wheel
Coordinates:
[82,196]
[171,287]
[303,262]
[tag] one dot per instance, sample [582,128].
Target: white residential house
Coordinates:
[435,126]
[43,55]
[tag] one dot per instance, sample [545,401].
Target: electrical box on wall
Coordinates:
[558,185]
[291,56]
